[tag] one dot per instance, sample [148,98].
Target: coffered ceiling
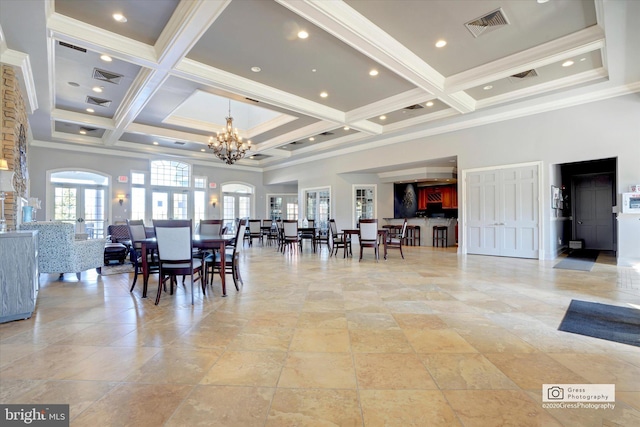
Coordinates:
[174,66]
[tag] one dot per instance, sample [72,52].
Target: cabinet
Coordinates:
[447,195]
[18,275]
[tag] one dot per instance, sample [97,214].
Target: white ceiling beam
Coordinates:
[167,133]
[210,76]
[575,44]
[392,103]
[295,135]
[81,119]
[349,26]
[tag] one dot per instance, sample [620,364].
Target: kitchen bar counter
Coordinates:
[426,227]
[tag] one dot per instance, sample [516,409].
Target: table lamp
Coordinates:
[6,177]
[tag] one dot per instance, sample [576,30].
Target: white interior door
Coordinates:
[502,212]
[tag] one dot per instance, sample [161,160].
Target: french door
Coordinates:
[317,206]
[83,206]
[502,212]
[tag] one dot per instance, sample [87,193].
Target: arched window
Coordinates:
[169,173]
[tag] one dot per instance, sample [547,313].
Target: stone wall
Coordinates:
[14,114]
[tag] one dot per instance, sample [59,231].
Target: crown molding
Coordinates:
[20,61]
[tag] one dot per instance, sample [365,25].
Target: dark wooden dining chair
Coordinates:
[396,241]
[255,230]
[214,263]
[339,240]
[175,243]
[291,236]
[309,234]
[369,236]
[138,232]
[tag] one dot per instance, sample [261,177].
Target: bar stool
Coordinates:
[413,235]
[440,234]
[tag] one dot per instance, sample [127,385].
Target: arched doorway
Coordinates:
[79,197]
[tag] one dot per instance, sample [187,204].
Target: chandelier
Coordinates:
[228,146]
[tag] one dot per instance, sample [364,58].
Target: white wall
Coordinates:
[43,159]
[598,130]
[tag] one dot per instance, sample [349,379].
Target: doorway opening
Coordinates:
[590,203]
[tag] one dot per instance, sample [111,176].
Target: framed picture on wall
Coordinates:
[556,197]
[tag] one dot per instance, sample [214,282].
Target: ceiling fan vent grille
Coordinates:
[326,133]
[490,21]
[72,46]
[523,75]
[414,107]
[98,101]
[106,76]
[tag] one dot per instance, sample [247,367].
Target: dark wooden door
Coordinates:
[593,216]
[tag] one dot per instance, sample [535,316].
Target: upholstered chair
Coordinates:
[60,252]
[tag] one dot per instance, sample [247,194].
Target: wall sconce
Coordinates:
[120,198]
[213,202]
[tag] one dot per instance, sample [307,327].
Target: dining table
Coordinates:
[200,241]
[382,232]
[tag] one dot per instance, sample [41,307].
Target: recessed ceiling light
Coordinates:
[155,142]
[74,84]
[441,43]
[312,139]
[303,34]
[567,63]
[542,1]
[313,70]
[90,110]
[429,104]
[83,132]
[383,117]
[119,17]
[97,89]
[346,128]
[373,72]
[106,58]
[583,59]
[256,69]
[488,87]
[251,157]
[323,94]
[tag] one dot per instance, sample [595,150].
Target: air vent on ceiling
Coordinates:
[490,21]
[86,129]
[523,75]
[252,100]
[326,133]
[414,107]
[98,101]
[106,76]
[179,143]
[74,47]
[295,142]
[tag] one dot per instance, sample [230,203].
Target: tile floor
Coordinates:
[435,339]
